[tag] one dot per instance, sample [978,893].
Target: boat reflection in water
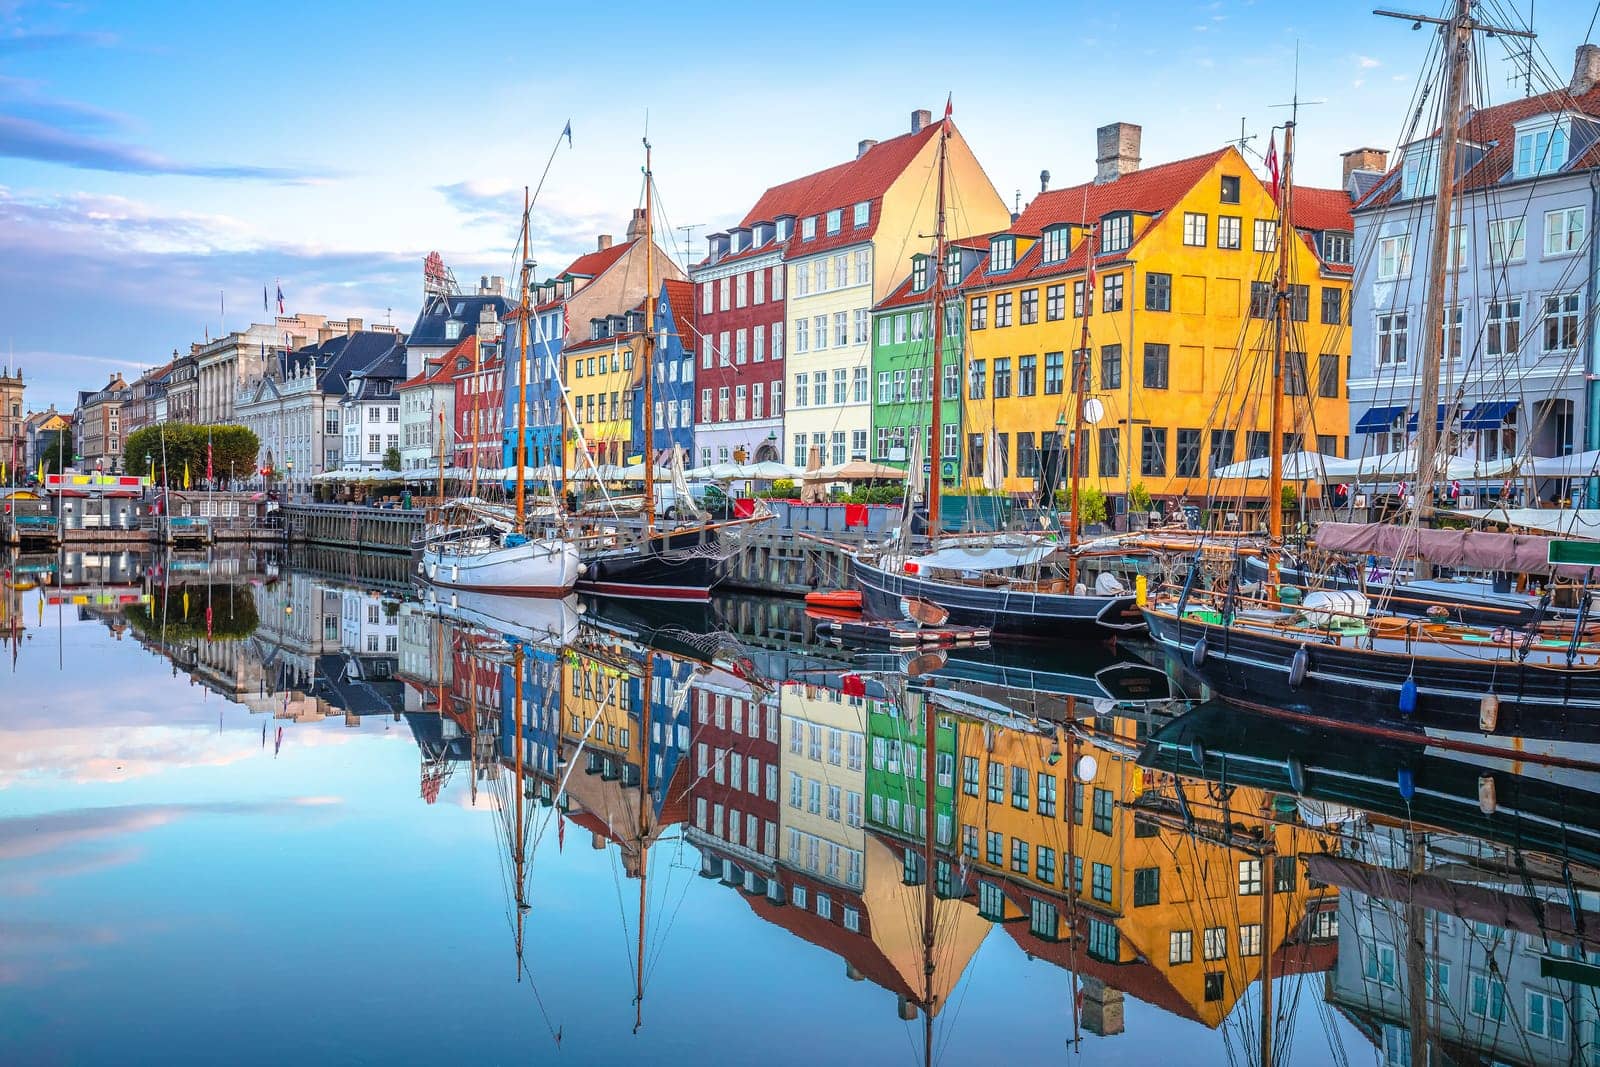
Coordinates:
[937,823]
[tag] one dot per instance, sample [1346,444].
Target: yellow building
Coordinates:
[1165,914]
[600,379]
[1177,335]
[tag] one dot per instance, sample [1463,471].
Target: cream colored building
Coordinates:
[822,775]
[244,356]
[858,226]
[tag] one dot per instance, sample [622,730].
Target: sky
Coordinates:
[161,162]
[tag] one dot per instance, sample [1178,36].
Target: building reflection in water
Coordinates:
[1218,868]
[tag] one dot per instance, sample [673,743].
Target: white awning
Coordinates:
[1574,522]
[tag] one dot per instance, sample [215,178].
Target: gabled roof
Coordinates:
[593,264]
[339,357]
[443,372]
[680,302]
[867,177]
[429,329]
[1322,209]
[1494,127]
[1149,191]
[903,295]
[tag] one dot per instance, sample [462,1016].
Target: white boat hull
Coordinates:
[541,566]
[543,621]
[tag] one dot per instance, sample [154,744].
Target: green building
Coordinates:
[902,362]
[897,768]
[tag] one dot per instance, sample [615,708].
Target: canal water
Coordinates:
[263,810]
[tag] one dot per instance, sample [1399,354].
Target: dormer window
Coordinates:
[863,212]
[919,274]
[952,267]
[1542,148]
[1419,170]
[1002,254]
[808,228]
[835,221]
[785,227]
[597,329]
[1116,232]
[1057,243]
[452,330]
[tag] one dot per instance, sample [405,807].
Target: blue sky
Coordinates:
[155,154]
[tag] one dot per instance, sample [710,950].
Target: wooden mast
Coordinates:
[1080,387]
[1280,341]
[647,688]
[929,744]
[477,407]
[1457,60]
[647,349]
[519,858]
[523,319]
[936,389]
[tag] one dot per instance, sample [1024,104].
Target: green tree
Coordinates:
[1139,498]
[1091,504]
[391,459]
[173,447]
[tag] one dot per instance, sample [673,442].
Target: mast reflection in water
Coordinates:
[713,838]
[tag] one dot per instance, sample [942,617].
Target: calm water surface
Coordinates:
[259,812]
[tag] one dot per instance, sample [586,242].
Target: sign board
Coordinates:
[1575,553]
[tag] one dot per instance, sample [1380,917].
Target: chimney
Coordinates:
[1044,181]
[921,120]
[497,285]
[1118,146]
[1375,160]
[863,145]
[636,224]
[602,242]
[1585,69]
[353,324]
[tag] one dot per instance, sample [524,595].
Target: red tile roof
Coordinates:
[866,177]
[594,264]
[1152,190]
[1322,209]
[445,371]
[1493,126]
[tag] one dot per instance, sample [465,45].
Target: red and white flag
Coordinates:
[1273,174]
[949,102]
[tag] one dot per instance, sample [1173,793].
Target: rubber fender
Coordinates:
[1408,696]
[1197,655]
[1298,666]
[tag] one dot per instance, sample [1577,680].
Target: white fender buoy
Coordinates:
[1297,667]
[1487,801]
[1488,713]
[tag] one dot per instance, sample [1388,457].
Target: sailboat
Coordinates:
[487,553]
[1533,690]
[1023,584]
[681,559]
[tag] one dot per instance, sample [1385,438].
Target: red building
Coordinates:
[739,339]
[480,405]
[733,802]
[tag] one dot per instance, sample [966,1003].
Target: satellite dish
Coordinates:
[1086,768]
[1094,409]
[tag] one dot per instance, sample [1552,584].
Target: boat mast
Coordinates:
[647,348]
[522,376]
[477,407]
[1080,386]
[936,391]
[929,743]
[1457,60]
[1280,341]
[519,858]
[644,809]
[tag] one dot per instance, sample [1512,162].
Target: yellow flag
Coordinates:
[186,474]
[186,603]
[41,472]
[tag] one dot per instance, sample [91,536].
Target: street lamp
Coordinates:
[289,481]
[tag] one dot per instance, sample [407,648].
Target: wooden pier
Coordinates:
[352,526]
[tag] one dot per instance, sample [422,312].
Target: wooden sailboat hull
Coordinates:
[1002,610]
[541,566]
[674,567]
[1545,712]
[548,621]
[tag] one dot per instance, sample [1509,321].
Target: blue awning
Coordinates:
[1379,420]
[1444,416]
[1490,415]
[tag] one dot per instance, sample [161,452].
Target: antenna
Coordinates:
[1244,138]
[1519,55]
[688,239]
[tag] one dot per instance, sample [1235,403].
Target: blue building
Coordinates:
[1518,362]
[673,364]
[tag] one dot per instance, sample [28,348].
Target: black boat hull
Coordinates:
[681,567]
[1004,612]
[1542,714]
